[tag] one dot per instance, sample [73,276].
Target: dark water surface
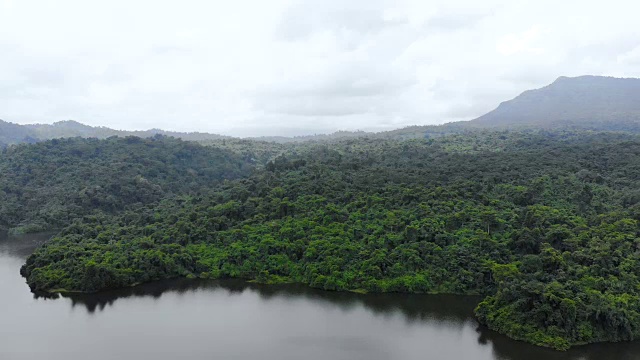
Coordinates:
[184,319]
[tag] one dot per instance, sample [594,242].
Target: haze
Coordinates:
[251,68]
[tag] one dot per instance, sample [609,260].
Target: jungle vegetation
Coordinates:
[46,185]
[543,224]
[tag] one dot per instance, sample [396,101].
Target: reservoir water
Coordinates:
[191,319]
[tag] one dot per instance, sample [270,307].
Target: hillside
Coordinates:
[48,184]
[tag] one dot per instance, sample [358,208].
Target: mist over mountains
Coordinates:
[13,133]
[585,102]
[581,103]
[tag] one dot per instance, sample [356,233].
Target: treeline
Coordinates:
[48,184]
[545,225]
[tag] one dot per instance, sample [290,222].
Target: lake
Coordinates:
[195,319]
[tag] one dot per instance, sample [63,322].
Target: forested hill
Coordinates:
[544,225]
[15,134]
[47,184]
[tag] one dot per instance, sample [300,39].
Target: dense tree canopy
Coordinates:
[544,225]
[46,185]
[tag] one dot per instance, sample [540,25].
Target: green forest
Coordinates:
[48,184]
[542,224]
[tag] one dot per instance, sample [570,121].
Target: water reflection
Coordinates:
[197,319]
[21,246]
[452,311]
[415,308]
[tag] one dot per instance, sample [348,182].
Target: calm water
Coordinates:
[235,320]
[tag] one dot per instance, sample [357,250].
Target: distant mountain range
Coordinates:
[585,102]
[13,133]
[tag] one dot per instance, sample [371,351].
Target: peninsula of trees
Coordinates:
[544,225]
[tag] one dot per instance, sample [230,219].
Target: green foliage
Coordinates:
[48,184]
[545,226]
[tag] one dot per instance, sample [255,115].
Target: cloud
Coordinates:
[448,20]
[346,19]
[293,67]
[345,86]
[630,58]
[521,42]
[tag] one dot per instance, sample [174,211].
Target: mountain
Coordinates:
[605,103]
[579,103]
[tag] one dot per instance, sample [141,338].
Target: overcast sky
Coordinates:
[284,67]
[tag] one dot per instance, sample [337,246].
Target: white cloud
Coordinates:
[631,58]
[521,43]
[293,67]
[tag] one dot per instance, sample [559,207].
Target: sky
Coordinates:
[286,67]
